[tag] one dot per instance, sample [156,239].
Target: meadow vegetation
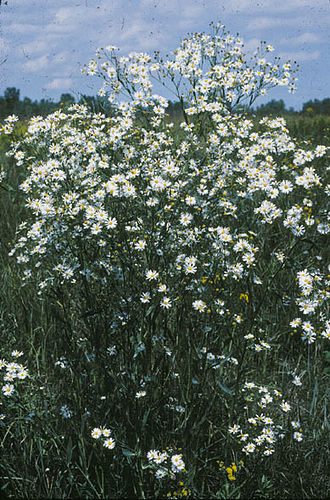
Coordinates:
[163,314]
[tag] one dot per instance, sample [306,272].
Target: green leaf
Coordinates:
[225,388]
[128,453]
[141,347]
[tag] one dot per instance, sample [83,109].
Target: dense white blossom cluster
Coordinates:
[11,372]
[313,295]
[124,199]
[212,68]
[165,463]
[105,434]
[266,422]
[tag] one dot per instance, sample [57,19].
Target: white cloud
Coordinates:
[59,84]
[303,19]
[301,55]
[135,29]
[135,34]
[192,11]
[36,65]
[38,3]
[251,45]
[163,6]
[24,28]
[86,14]
[217,7]
[65,14]
[306,38]
[61,57]
[276,6]
[4,46]
[262,23]
[34,47]
[303,40]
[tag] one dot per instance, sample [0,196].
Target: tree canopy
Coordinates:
[10,103]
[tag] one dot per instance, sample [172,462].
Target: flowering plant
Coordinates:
[187,248]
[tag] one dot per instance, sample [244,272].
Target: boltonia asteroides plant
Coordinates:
[192,248]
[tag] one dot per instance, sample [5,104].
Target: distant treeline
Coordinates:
[10,103]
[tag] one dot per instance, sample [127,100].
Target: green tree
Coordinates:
[273,107]
[11,100]
[67,99]
[317,107]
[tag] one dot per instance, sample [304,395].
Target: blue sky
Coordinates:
[44,43]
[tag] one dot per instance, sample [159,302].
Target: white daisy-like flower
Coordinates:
[285,407]
[298,436]
[249,448]
[151,275]
[8,389]
[199,305]
[96,433]
[166,303]
[106,432]
[109,443]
